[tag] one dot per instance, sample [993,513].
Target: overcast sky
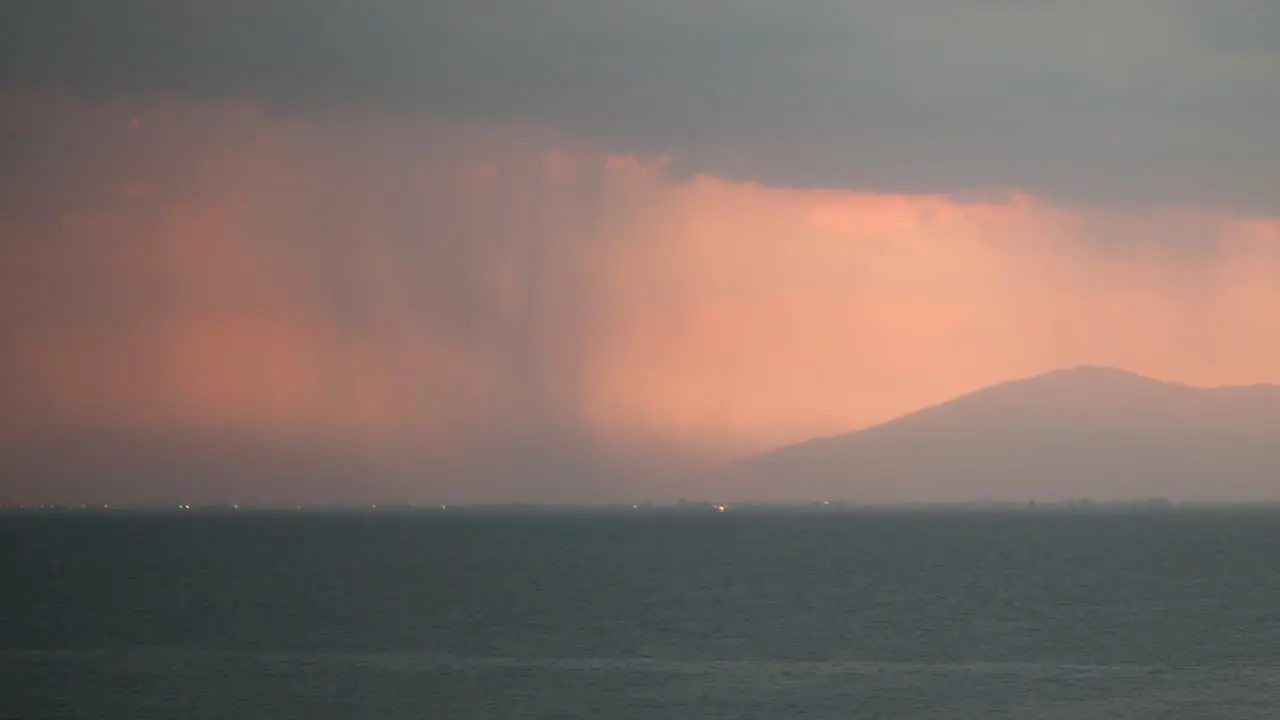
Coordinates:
[563,249]
[1129,101]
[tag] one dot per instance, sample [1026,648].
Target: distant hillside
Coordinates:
[1085,432]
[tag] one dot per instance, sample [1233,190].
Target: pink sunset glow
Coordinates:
[411,291]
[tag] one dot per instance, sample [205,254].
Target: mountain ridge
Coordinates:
[1082,431]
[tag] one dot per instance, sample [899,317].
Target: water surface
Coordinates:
[641,615]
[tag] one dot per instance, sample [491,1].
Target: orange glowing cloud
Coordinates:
[808,312]
[406,287]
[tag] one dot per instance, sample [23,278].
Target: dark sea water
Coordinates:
[1156,614]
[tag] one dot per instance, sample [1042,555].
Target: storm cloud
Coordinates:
[1138,102]
[381,251]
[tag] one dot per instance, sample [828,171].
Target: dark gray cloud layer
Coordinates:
[1132,102]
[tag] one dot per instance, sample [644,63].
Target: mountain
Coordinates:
[1085,432]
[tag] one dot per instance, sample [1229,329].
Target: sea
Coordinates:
[778,615]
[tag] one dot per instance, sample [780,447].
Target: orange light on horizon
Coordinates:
[423,287]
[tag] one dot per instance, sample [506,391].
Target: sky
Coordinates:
[460,251]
